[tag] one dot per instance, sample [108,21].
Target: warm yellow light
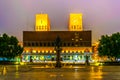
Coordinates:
[66,51]
[38,51]
[42,51]
[42,22]
[54,51]
[62,51]
[27,51]
[42,57]
[34,51]
[75,22]
[74,51]
[41,19]
[50,51]
[22,63]
[46,51]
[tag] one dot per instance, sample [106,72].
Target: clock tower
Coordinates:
[42,22]
[75,22]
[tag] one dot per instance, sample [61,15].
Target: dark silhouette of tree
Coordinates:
[9,47]
[110,46]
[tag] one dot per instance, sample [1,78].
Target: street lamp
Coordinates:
[58,49]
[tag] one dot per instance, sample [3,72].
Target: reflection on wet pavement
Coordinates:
[17,72]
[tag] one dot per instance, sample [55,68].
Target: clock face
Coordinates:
[76,20]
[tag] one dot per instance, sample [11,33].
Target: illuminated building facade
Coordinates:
[40,45]
[75,22]
[42,22]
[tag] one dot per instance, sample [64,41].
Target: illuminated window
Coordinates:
[50,51]
[54,51]
[42,51]
[46,51]
[38,51]
[27,51]
[66,51]
[34,51]
[63,51]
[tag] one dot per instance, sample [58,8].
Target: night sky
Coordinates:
[100,16]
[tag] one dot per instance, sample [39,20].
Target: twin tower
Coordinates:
[43,23]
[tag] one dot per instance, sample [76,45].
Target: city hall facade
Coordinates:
[39,45]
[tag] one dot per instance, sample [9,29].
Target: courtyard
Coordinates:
[37,72]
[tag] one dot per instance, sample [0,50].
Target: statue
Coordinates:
[58,49]
[86,53]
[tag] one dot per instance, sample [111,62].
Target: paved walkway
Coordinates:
[36,72]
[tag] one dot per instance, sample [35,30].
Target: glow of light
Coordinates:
[34,51]
[4,70]
[41,19]
[62,51]
[75,22]
[46,51]
[54,51]
[22,63]
[50,51]
[16,67]
[38,51]
[27,51]
[42,58]
[66,51]
[16,63]
[74,51]
[98,64]
[42,22]
[42,51]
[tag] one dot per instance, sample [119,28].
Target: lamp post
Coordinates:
[58,50]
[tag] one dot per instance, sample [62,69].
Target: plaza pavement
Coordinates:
[38,72]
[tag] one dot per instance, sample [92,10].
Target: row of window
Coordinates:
[52,44]
[76,27]
[41,27]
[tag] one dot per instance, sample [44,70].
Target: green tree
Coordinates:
[110,46]
[115,44]
[9,47]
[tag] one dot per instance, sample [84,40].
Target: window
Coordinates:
[64,44]
[48,43]
[36,43]
[68,44]
[29,44]
[81,44]
[33,44]
[52,43]
[44,44]
[25,44]
[72,44]
[40,44]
